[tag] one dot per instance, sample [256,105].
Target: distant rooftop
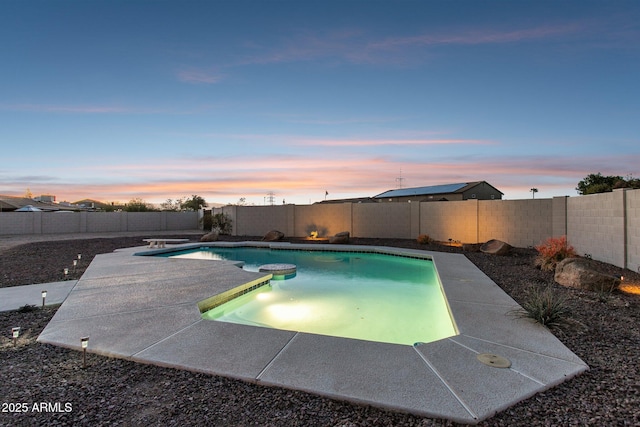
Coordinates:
[425,191]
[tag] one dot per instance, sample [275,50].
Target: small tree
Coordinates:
[597,183]
[222,222]
[138,205]
[171,205]
[194,203]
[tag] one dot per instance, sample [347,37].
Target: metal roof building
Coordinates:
[480,190]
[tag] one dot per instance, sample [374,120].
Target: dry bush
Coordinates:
[552,251]
[424,239]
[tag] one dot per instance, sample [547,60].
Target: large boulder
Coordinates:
[581,273]
[211,237]
[340,238]
[495,247]
[273,236]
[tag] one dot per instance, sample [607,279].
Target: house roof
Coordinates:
[431,190]
[28,208]
[11,203]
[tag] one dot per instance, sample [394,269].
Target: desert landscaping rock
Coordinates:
[213,236]
[273,236]
[495,247]
[581,273]
[341,238]
[606,335]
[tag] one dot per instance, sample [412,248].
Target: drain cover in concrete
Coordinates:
[494,360]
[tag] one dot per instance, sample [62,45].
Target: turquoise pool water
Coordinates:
[367,296]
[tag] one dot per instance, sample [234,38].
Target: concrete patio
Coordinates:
[146,309]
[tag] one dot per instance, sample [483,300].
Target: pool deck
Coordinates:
[145,309]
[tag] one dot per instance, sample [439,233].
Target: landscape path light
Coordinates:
[15,332]
[44,296]
[84,342]
[75,264]
[66,272]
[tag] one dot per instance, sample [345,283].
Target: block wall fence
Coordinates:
[604,226]
[12,223]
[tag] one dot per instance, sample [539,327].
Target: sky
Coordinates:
[296,101]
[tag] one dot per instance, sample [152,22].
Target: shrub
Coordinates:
[207,222]
[222,222]
[552,251]
[547,308]
[27,308]
[424,239]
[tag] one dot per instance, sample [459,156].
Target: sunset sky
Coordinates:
[115,100]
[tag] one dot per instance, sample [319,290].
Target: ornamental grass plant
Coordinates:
[547,308]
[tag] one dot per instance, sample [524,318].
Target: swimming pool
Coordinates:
[153,300]
[367,296]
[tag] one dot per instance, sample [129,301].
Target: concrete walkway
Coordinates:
[18,296]
[146,309]
[14,297]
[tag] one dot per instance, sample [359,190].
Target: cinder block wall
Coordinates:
[457,221]
[182,220]
[605,226]
[521,223]
[147,222]
[94,222]
[258,220]
[60,222]
[20,222]
[382,220]
[633,229]
[327,220]
[559,216]
[596,226]
[107,222]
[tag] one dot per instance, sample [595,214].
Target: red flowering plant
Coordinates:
[552,251]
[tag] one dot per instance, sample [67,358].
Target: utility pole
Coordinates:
[271,198]
[400,179]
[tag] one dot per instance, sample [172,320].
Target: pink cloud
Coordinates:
[299,179]
[352,45]
[380,142]
[476,37]
[199,76]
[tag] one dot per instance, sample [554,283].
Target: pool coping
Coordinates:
[111,304]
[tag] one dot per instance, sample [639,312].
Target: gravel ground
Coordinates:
[46,385]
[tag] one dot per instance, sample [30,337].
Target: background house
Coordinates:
[13,203]
[480,190]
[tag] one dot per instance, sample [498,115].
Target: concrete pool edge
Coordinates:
[442,379]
